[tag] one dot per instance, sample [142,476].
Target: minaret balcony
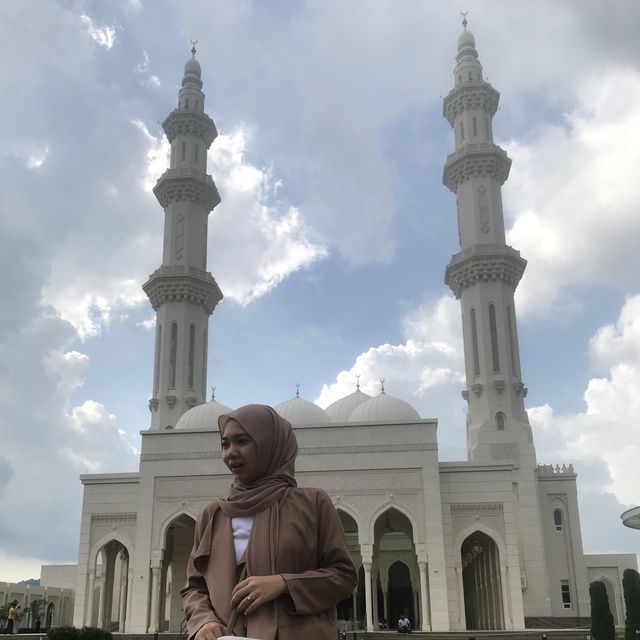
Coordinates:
[182,284]
[484,263]
[470,95]
[187,184]
[181,122]
[476,160]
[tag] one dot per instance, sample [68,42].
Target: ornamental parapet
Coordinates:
[475,160]
[484,263]
[182,122]
[556,470]
[180,284]
[186,184]
[479,95]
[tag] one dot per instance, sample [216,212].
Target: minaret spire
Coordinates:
[486,271]
[181,291]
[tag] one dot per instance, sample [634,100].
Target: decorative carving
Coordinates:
[113,517]
[180,122]
[465,394]
[191,401]
[180,284]
[479,95]
[483,208]
[171,400]
[498,385]
[477,389]
[176,185]
[179,238]
[153,404]
[484,264]
[471,508]
[555,470]
[520,389]
[477,160]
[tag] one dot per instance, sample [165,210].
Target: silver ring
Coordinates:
[248,598]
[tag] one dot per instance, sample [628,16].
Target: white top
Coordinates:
[241,528]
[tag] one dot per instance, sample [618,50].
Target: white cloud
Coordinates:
[105,35]
[573,198]
[16,567]
[255,239]
[612,408]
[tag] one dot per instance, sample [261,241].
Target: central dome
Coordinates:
[203,416]
[384,408]
[341,410]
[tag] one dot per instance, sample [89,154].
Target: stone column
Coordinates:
[367,595]
[129,596]
[385,601]
[122,605]
[101,597]
[88,614]
[155,595]
[424,604]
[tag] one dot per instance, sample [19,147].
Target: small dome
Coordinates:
[466,39]
[192,68]
[203,416]
[384,408]
[341,409]
[298,411]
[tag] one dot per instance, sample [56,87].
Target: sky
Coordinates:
[332,236]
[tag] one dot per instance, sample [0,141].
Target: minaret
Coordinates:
[484,276]
[486,271]
[183,294]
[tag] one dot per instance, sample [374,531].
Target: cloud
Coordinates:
[572,197]
[105,36]
[612,407]
[255,238]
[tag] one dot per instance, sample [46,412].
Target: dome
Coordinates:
[298,411]
[203,416]
[341,409]
[466,39]
[384,408]
[192,68]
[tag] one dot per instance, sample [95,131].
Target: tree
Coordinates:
[602,627]
[631,588]
[36,610]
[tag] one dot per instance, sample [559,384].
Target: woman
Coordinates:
[270,559]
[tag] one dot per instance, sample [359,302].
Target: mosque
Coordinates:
[491,542]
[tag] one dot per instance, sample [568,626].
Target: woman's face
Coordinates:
[239,452]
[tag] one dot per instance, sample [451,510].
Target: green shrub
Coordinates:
[63,633]
[93,633]
[631,588]
[602,627]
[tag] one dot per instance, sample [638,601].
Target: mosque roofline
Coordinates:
[110,478]
[465,466]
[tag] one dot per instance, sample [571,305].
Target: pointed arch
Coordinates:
[166,522]
[403,509]
[484,528]
[105,539]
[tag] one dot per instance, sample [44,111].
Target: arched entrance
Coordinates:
[611,595]
[395,571]
[482,584]
[178,544]
[49,616]
[347,609]
[108,592]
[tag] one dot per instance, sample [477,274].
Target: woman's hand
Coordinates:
[210,631]
[249,594]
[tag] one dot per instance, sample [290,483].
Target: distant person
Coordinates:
[18,617]
[404,626]
[38,623]
[11,617]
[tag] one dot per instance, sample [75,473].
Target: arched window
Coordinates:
[461,130]
[493,328]
[156,368]
[204,364]
[557,519]
[474,340]
[512,341]
[184,151]
[173,353]
[475,126]
[470,76]
[195,154]
[501,421]
[192,351]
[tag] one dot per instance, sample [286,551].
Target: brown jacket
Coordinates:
[312,558]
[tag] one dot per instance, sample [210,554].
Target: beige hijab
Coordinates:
[276,453]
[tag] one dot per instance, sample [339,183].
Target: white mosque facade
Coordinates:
[491,542]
